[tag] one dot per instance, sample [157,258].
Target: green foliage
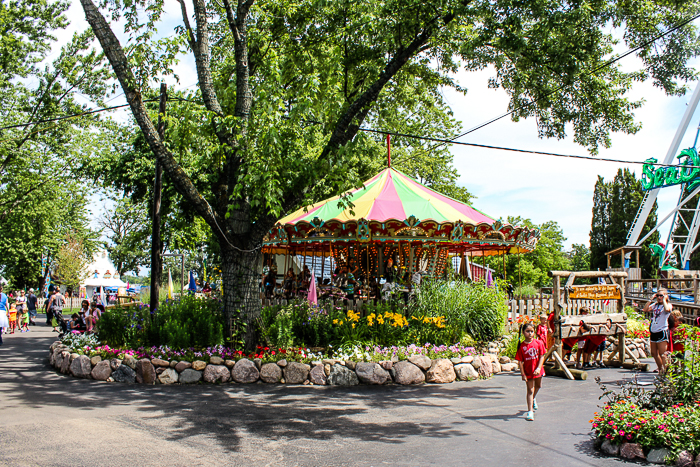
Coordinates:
[615,204]
[127,227]
[470,308]
[511,348]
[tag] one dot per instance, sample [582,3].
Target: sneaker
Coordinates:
[530,416]
[578,366]
[586,365]
[534,405]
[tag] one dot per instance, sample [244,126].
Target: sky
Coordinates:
[540,188]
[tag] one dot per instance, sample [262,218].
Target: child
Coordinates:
[531,357]
[24,322]
[676,343]
[598,356]
[75,325]
[542,329]
[583,311]
[13,318]
[93,316]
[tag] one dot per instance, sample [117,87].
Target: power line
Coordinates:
[604,65]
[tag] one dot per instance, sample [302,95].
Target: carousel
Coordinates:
[394,223]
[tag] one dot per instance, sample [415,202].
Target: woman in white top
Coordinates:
[660,308]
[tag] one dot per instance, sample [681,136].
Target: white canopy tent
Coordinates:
[101,273]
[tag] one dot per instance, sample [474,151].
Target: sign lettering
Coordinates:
[595,292]
[687,171]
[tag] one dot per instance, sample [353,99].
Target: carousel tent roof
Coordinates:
[391,195]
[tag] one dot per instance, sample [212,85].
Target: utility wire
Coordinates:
[604,65]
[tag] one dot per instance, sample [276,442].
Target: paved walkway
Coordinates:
[50,419]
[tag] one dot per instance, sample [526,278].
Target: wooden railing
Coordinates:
[644,289]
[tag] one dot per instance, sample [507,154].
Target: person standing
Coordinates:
[4,322]
[660,308]
[31,306]
[531,354]
[47,310]
[21,305]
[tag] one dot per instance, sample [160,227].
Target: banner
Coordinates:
[594,292]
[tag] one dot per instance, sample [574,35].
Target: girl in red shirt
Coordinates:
[531,357]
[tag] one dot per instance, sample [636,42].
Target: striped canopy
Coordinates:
[392,207]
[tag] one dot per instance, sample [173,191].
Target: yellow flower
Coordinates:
[353,325]
[380,320]
[335,321]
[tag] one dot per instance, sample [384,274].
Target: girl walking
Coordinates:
[530,354]
[661,309]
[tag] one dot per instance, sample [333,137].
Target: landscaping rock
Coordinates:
[129,361]
[216,360]
[271,373]
[485,370]
[476,362]
[342,376]
[317,375]
[95,360]
[495,367]
[509,367]
[296,373]
[632,451]
[198,365]
[328,361]
[467,359]
[124,374]
[159,370]
[282,363]
[81,367]
[73,356]
[115,363]
[327,369]
[245,371]
[258,363]
[173,363]
[610,449]
[504,360]
[65,362]
[216,373]
[466,372]
[145,372]
[421,361]
[408,373]
[158,362]
[685,459]
[230,363]
[493,357]
[169,376]
[441,371]
[386,364]
[182,366]
[189,376]
[658,456]
[456,360]
[371,373]
[350,364]
[102,371]
[58,360]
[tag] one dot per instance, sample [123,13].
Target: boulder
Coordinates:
[95,360]
[342,376]
[495,367]
[65,362]
[81,367]
[73,356]
[476,362]
[609,448]
[159,362]
[503,360]
[173,363]
[456,360]
[327,369]
[216,373]
[296,373]
[115,363]
[466,372]
[182,366]
[198,365]
[386,364]
[325,361]
[271,373]
[685,459]
[441,371]
[282,363]
[467,359]
[124,374]
[486,369]
[317,375]
[493,357]
[58,360]
[351,364]
[102,371]
[52,359]
[509,367]
[408,373]
[189,376]
[371,373]
[245,371]
[421,361]
[258,363]
[145,372]
[159,370]
[216,360]
[169,376]
[658,456]
[632,451]
[230,363]
[129,361]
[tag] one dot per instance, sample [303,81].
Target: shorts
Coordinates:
[661,336]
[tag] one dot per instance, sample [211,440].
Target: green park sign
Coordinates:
[687,171]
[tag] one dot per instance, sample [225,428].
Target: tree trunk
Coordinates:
[241,286]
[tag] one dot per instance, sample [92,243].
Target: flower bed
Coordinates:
[84,357]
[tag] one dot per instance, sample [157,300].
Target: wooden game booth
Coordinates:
[573,328]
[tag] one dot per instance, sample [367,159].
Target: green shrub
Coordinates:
[125,326]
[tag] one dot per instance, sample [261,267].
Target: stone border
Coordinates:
[416,370]
[635,452]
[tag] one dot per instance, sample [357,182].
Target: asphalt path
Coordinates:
[49,419]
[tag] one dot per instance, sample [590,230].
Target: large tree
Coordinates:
[615,205]
[286,87]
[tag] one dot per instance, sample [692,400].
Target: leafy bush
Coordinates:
[471,308]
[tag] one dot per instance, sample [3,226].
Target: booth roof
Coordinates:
[101,282]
